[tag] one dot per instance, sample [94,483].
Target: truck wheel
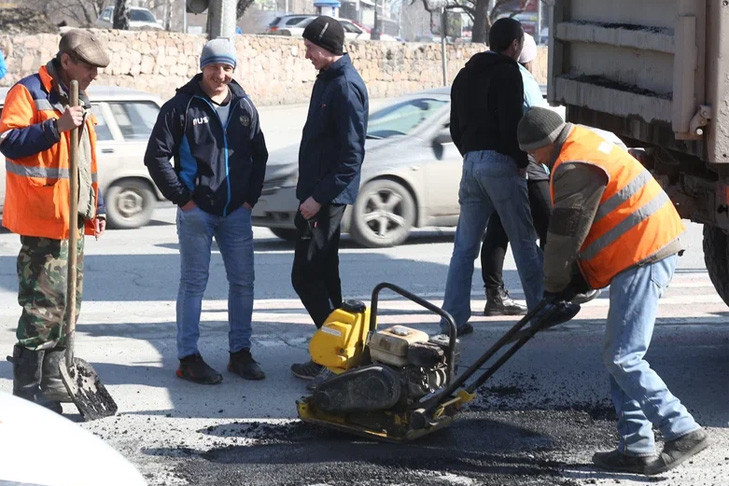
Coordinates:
[288,234]
[716,257]
[129,204]
[383,214]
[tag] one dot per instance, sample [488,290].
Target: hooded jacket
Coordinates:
[219,164]
[332,143]
[486,106]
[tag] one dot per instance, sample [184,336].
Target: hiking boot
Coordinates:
[51,382]
[242,363]
[323,376]
[306,371]
[498,303]
[27,373]
[677,451]
[618,462]
[194,369]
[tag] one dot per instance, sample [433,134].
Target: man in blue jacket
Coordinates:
[211,129]
[330,158]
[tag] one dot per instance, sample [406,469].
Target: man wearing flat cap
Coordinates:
[330,159]
[613,224]
[35,131]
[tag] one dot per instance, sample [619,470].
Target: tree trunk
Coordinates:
[480,22]
[121,15]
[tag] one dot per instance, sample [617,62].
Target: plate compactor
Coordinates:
[399,384]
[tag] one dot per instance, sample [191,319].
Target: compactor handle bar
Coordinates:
[451,352]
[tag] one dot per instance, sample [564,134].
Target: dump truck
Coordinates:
[656,73]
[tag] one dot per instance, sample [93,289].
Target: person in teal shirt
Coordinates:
[3,66]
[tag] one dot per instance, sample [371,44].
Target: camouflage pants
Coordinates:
[42,276]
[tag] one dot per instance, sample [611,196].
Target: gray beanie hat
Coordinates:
[538,127]
[219,50]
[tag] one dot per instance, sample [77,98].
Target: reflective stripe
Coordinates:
[43,105]
[611,236]
[624,194]
[26,171]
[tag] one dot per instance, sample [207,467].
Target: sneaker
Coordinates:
[618,462]
[242,363]
[677,451]
[323,376]
[467,328]
[194,369]
[563,313]
[499,303]
[585,296]
[306,371]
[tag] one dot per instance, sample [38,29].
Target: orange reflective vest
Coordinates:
[37,186]
[635,217]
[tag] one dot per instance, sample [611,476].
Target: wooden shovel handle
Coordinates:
[73,234]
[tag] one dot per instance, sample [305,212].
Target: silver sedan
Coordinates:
[410,175]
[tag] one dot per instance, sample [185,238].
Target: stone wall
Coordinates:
[271,68]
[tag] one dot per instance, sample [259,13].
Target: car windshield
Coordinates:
[142,16]
[403,117]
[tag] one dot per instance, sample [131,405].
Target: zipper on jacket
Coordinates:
[225,145]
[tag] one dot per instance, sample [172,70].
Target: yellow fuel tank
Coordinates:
[338,344]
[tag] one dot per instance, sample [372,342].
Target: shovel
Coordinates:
[83,384]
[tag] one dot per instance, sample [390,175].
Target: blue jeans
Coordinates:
[234,236]
[641,398]
[491,182]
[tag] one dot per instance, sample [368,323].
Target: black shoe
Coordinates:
[467,328]
[306,371]
[323,376]
[193,368]
[677,451]
[242,363]
[499,303]
[619,462]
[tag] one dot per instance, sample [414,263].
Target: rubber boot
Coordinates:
[51,382]
[27,372]
[499,303]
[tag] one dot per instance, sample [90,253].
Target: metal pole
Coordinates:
[184,17]
[538,33]
[221,15]
[443,32]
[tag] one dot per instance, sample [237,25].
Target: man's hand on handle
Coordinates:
[73,117]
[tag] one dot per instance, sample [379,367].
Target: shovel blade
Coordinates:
[87,392]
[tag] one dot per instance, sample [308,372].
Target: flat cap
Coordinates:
[85,46]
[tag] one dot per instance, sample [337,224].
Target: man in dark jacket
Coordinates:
[212,130]
[330,158]
[486,106]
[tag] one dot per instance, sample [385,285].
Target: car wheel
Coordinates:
[129,204]
[288,234]
[383,214]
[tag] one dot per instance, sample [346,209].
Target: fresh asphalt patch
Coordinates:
[505,447]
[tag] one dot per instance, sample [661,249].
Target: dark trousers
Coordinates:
[495,242]
[315,272]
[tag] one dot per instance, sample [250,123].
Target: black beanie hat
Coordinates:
[538,128]
[326,32]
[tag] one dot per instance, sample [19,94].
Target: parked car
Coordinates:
[125,120]
[285,21]
[352,31]
[139,18]
[410,175]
